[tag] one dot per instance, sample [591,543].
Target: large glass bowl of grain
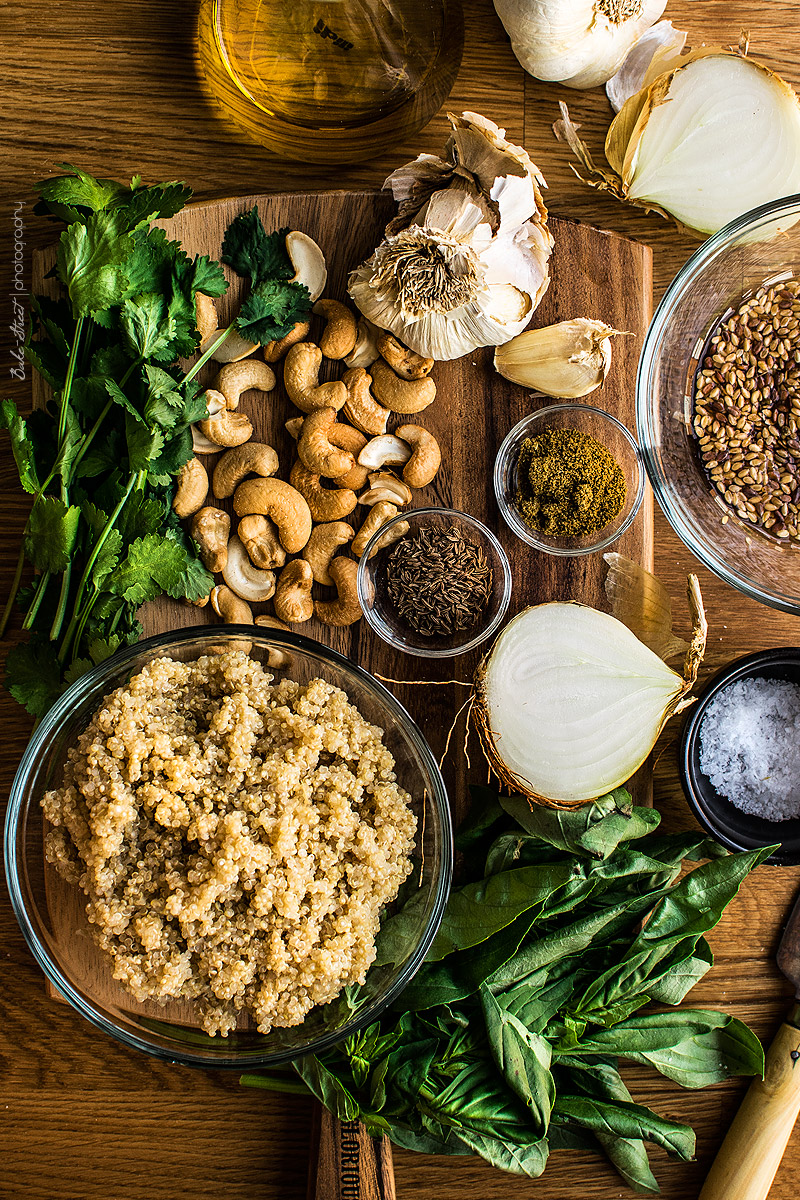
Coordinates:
[718,403]
[229,817]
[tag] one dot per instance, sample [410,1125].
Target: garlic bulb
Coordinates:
[565,361]
[707,140]
[580,43]
[465,261]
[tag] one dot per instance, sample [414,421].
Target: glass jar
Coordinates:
[330,81]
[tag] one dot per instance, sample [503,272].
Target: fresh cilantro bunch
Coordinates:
[100,460]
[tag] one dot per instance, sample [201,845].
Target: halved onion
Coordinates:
[709,139]
[569,702]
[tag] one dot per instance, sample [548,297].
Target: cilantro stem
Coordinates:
[67,388]
[87,441]
[9,608]
[136,477]
[84,617]
[41,588]
[63,596]
[203,359]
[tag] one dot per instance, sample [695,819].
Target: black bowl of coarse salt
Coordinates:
[740,754]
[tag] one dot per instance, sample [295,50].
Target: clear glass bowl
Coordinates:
[762,246]
[63,946]
[598,424]
[381,613]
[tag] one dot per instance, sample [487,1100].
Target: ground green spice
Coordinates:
[568,484]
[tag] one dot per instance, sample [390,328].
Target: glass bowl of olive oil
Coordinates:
[569,479]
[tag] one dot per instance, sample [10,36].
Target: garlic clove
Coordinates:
[565,361]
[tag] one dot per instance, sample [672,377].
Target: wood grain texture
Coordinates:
[113,88]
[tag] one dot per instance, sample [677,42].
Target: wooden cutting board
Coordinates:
[594,274]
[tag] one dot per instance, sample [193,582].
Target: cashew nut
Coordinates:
[308,262]
[383,485]
[345,609]
[243,578]
[233,348]
[277,659]
[405,362]
[260,539]
[252,458]
[339,337]
[325,540]
[352,440]
[227,428]
[230,607]
[390,537]
[279,500]
[293,426]
[384,451]
[192,488]
[316,450]
[248,375]
[215,404]
[401,395]
[421,468]
[205,315]
[301,380]
[365,350]
[361,408]
[210,528]
[293,601]
[380,514]
[274,351]
[324,505]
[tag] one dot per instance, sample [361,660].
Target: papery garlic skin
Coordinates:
[565,361]
[580,43]
[655,52]
[466,261]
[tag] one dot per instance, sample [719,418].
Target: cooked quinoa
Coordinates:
[236,838]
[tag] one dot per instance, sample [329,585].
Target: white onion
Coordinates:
[570,702]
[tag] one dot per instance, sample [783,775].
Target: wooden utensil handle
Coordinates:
[346,1163]
[747,1160]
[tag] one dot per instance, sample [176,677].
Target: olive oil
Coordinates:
[330,80]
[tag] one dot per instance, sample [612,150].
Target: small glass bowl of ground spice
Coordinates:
[438,589]
[569,479]
[740,754]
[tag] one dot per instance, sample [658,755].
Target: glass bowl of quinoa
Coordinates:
[207,833]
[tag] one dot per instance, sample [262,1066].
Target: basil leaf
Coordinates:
[523,1059]
[327,1088]
[627,1121]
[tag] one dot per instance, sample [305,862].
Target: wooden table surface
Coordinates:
[112,87]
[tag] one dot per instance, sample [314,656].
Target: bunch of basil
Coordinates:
[508,1040]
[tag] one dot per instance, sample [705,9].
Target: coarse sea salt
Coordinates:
[750,747]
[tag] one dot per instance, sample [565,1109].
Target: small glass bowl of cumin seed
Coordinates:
[434,582]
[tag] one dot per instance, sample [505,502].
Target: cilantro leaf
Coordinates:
[107,558]
[152,260]
[201,274]
[45,359]
[66,195]
[164,404]
[175,454]
[143,204]
[102,648]
[21,445]
[51,533]
[272,309]
[90,394]
[153,564]
[250,250]
[90,262]
[144,443]
[140,515]
[33,676]
[145,326]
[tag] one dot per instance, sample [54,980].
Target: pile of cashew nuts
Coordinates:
[288,534]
